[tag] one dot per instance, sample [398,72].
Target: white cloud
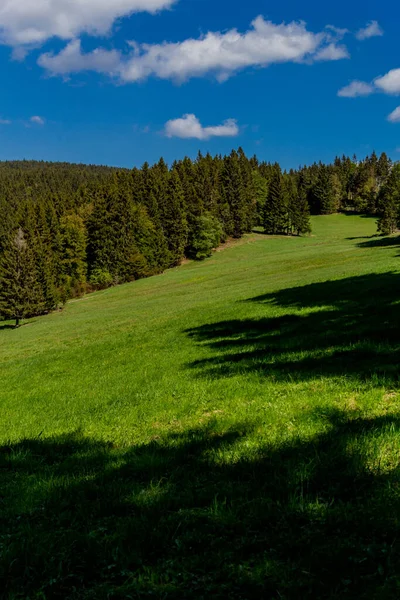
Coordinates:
[5,122]
[372,29]
[389,83]
[355,89]
[332,52]
[37,120]
[26,22]
[394,117]
[189,126]
[216,53]
[72,60]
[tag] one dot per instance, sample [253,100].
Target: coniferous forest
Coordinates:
[67,229]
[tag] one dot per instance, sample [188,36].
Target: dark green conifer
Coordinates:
[175,221]
[20,295]
[275,218]
[324,202]
[389,203]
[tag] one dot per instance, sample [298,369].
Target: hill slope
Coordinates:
[227,428]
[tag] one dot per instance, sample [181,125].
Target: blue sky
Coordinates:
[112,81]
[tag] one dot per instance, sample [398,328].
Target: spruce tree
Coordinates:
[248,192]
[175,221]
[303,222]
[151,198]
[20,295]
[275,210]
[383,169]
[260,186]
[324,193]
[234,195]
[389,203]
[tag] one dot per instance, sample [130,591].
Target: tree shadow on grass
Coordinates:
[194,515]
[25,323]
[349,327]
[381,242]
[363,237]
[354,213]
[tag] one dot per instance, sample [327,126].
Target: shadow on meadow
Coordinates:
[6,326]
[349,327]
[363,237]
[381,242]
[316,518]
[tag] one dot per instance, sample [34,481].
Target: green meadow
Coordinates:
[228,429]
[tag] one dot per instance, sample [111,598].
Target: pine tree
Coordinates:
[303,224]
[248,192]
[175,221]
[260,186]
[384,167]
[324,202]
[20,296]
[149,195]
[234,195]
[275,210]
[387,222]
[389,203]
[113,255]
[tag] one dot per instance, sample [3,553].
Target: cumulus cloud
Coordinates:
[189,126]
[37,120]
[372,29]
[72,60]
[26,22]
[389,83]
[216,53]
[394,116]
[355,89]
[332,52]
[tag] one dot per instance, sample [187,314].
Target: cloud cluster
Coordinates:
[32,22]
[189,126]
[28,24]
[387,84]
[216,53]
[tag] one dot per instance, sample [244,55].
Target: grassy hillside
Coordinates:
[227,429]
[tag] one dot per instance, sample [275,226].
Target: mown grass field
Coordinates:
[229,429]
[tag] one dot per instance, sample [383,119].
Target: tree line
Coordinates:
[66,229]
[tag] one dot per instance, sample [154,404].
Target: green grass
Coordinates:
[229,429]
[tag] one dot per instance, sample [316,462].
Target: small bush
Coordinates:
[101,279]
[207,234]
